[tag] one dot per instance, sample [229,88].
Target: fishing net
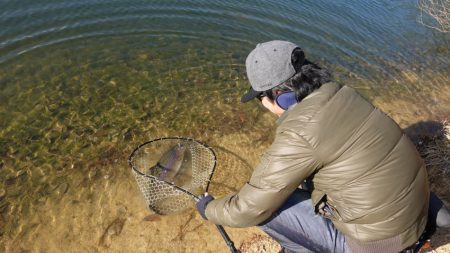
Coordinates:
[171,171]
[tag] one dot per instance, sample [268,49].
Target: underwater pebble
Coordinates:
[121,210]
[60,171]
[2,225]
[128,135]
[2,193]
[3,205]
[10,179]
[112,231]
[115,228]
[14,192]
[25,207]
[62,188]
[92,173]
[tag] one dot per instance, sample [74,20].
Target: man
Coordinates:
[367,185]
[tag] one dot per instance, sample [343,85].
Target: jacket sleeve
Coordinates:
[283,167]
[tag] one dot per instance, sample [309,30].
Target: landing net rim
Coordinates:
[188,139]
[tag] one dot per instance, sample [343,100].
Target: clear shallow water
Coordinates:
[82,83]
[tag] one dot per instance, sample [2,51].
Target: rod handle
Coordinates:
[227,239]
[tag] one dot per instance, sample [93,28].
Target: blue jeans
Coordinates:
[297,228]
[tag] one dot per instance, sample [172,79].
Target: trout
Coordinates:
[170,163]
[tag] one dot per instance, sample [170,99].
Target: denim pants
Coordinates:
[298,229]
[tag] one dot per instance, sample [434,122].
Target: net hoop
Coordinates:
[140,175]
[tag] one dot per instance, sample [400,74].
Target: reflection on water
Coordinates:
[82,84]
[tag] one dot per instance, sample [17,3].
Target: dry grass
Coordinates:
[436,152]
[439,10]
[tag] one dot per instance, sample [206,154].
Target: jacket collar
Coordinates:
[326,88]
[285,114]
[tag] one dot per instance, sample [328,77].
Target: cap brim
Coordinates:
[251,94]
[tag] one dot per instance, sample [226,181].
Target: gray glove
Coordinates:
[202,203]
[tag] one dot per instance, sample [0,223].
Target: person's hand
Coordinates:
[202,203]
[324,209]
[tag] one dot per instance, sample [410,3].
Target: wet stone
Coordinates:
[3,205]
[2,193]
[114,229]
[62,188]
[2,224]
[92,173]
[128,135]
[60,171]
[20,173]
[42,199]
[10,179]
[122,210]
[14,192]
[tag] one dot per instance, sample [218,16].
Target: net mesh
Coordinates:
[191,165]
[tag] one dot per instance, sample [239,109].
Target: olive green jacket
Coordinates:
[369,172]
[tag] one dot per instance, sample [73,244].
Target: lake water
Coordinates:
[82,83]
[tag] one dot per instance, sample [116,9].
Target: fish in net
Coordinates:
[171,171]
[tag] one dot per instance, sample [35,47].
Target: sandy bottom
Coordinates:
[100,209]
[106,213]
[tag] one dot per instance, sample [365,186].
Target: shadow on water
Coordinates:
[424,131]
[231,174]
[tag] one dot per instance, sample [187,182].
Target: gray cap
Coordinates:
[268,65]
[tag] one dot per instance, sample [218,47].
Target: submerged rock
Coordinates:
[113,229]
[2,193]
[2,224]
[61,189]
[10,179]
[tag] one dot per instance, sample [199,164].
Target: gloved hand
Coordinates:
[202,203]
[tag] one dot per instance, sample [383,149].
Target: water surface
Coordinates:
[84,82]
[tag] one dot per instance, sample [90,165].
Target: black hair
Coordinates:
[308,77]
